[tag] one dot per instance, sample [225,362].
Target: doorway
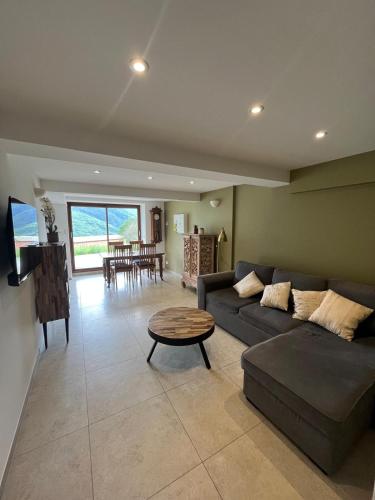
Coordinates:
[92,226]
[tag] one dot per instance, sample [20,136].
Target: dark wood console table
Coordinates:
[51,285]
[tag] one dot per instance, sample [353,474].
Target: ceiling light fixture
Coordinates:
[191,182]
[320,134]
[97,172]
[139,66]
[215,203]
[256,109]
[150,177]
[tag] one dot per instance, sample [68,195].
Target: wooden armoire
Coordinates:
[51,284]
[199,257]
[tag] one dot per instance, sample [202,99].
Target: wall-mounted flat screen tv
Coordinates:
[22,231]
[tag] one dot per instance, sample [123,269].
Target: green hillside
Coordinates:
[91,221]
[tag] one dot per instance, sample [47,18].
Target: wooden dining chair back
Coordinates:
[147,260]
[123,262]
[136,245]
[113,244]
[111,250]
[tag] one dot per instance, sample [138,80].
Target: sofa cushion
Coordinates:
[243,268]
[306,302]
[228,299]
[316,374]
[363,294]
[250,285]
[272,321]
[276,296]
[340,315]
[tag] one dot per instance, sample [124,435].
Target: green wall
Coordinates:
[326,230]
[202,214]
[322,223]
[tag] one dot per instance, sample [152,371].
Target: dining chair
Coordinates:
[147,260]
[113,244]
[111,250]
[123,263]
[136,245]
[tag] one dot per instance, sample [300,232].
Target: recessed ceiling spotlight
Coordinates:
[150,177]
[256,109]
[138,66]
[191,182]
[97,172]
[320,134]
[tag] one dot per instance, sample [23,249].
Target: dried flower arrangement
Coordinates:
[48,212]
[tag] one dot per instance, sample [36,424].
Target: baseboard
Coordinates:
[11,452]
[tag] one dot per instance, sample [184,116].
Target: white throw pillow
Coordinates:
[250,285]
[276,296]
[305,303]
[340,315]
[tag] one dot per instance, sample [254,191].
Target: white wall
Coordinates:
[19,331]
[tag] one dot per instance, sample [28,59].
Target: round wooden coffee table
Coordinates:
[181,326]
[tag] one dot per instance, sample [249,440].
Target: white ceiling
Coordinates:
[311,63]
[68,171]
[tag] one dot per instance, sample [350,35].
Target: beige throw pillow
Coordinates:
[305,303]
[250,285]
[340,315]
[276,296]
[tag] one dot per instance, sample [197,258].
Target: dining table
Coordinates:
[110,257]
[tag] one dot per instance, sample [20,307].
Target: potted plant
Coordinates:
[48,212]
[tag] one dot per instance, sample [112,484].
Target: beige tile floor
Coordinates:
[101,423]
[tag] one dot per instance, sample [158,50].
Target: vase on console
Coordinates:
[48,212]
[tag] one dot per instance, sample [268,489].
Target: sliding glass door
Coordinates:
[123,223]
[93,226]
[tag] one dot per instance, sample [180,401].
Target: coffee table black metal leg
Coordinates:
[151,352]
[204,354]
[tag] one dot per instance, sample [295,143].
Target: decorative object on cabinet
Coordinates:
[51,285]
[195,229]
[49,215]
[222,238]
[156,234]
[180,223]
[201,230]
[199,257]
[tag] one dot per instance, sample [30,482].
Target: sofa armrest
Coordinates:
[210,282]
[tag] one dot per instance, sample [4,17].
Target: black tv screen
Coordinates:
[22,232]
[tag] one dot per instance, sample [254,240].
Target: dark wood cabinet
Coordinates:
[199,257]
[51,285]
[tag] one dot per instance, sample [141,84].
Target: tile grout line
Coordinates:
[87,409]
[172,482]
[50,441]
[186,432]
[213,482]
[125,409]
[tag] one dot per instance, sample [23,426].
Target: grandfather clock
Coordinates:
[156,234]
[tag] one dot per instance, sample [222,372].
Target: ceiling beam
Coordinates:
[87,189]
[96,147]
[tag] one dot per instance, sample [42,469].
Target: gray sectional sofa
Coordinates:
[316,387]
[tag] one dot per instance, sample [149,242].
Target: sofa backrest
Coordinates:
[243,268]
[363,294]
[300,281]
